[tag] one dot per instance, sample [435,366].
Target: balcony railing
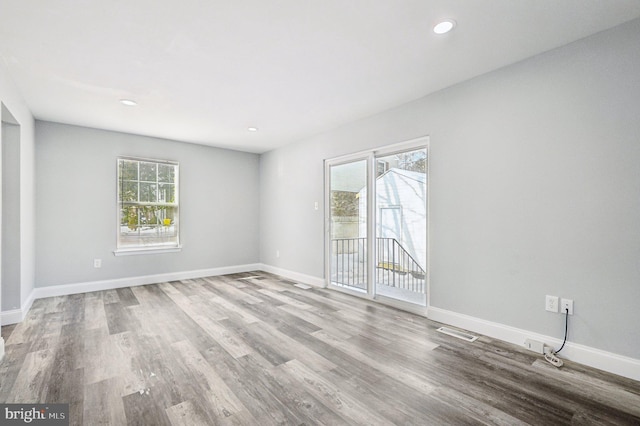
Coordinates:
[349,262]
[395,267]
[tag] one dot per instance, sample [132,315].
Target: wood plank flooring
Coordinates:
[253,349]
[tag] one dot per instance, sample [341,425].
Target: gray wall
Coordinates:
[76,199]
[534,190]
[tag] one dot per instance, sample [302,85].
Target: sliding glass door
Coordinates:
[401,226]
[348,225]
[377,224]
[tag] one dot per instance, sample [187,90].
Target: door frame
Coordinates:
[328,163]
[371,156]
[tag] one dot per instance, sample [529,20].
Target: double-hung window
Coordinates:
[148,206]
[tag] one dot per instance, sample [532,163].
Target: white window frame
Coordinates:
[148,248]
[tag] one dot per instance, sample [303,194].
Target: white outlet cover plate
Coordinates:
[568,303]
[551,303]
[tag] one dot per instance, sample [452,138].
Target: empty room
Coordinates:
[381,212]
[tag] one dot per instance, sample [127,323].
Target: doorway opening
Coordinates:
[377,224]
[9,214]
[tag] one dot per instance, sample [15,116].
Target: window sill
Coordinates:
[146,250]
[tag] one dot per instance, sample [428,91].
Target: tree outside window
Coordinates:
[148,204]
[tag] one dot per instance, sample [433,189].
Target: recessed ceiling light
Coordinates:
[128,102]
[252,129]
[444,26]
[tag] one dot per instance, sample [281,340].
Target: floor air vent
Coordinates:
[459,334]
[302,286]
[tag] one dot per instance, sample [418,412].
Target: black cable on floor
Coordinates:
[566,327]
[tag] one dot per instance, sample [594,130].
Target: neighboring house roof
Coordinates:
[350,178]
[417,176]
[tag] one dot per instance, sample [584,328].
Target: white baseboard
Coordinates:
[597,358]
[294,276]
[17,315]
[607,361]
[13,316]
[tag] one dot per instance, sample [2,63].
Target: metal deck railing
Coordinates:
[395,267]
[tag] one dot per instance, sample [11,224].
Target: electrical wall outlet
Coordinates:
[566,304]
[551,303]
[277,253]
[97,263]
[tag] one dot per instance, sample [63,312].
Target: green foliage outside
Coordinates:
[146,182]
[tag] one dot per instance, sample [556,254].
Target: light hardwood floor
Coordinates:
[253,349]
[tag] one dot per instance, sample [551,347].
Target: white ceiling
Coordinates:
[203,71]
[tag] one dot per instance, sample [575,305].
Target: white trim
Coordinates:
[372,221]
[1,348]
[149,160]
[371,156]
[13,316]
[365,156]
[603,360]
[352,291]
[174,247]
[384,150]
[400,147]
[17,315]
[413,308]
[63,290]
[597,358]
[294,276]
[146,250]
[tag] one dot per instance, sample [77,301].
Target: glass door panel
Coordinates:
[401,226]
[348,225]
